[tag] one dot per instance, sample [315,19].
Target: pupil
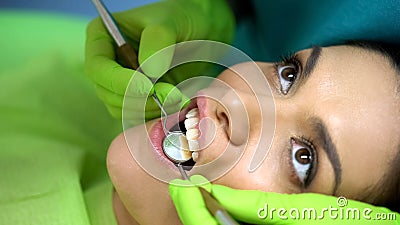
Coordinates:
[288,74]
[303,156]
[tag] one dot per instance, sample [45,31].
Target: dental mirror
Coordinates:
[176,148]
[175,145]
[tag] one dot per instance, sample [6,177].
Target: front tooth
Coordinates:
[192,134]
[193,145]
[192,113]
[184,144]
[191,123]
[195,156]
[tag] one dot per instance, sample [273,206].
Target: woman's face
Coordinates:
[335,133]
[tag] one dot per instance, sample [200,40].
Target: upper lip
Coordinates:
[198,102]
[201,103]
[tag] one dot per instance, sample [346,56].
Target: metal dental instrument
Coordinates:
[173,145]
[213,206]
[125,50]
[183,172]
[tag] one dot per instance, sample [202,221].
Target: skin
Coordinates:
[351,90]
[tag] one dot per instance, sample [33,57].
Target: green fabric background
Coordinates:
[54,132]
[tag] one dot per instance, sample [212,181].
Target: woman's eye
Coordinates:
[303,159]
[287,75]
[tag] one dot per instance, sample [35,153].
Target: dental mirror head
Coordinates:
[176,147]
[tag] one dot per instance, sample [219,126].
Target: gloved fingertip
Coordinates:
[176,185]
[180,183]
[198,177]
[201,181]
[168,93]
[139,84]
[220,190]
[185,102]
[151,90]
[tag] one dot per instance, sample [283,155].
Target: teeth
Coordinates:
[192,113]
[191,123]
[193,145]
[192,132]
[195,156]
[183,143]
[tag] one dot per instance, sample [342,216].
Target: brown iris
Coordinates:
[289,73]
[303,156]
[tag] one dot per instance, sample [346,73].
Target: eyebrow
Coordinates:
[318,125]
[312,61]
[329,147]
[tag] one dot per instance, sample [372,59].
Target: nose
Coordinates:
[236,110]
[246,115]
[247,105]
[239,104]
[248,110]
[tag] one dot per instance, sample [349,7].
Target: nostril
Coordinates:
[235,117]
[223,118]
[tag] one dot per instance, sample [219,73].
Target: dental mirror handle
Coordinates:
[213,206]
[182,171]
[128,56]
[125,50]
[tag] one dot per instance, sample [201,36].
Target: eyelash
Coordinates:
[308,144]
[291,61]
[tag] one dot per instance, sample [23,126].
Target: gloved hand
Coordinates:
[256,207]
[149,29]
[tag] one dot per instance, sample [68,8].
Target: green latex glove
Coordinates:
[149,29]
[250,206]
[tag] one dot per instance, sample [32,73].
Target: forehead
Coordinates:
[364,78]
[354,91]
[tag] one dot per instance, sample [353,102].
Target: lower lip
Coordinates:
[157,136]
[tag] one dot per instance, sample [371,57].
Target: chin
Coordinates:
[145,198]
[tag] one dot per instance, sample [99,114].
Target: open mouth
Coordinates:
[190,133]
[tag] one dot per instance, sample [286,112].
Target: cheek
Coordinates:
[271,176]
[240,178]
[120,165]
